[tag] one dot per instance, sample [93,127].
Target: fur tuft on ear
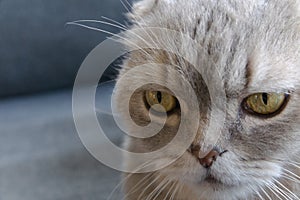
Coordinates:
[142,8]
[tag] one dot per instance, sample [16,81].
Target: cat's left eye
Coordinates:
[265,104]
[166,100]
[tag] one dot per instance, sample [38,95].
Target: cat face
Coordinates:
[254,47]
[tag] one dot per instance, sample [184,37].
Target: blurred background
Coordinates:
[41,156]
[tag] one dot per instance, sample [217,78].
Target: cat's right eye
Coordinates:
[166,100]
[265,104]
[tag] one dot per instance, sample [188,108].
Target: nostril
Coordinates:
[208,160]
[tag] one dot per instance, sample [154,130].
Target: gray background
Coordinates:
[41,156]
[37,51]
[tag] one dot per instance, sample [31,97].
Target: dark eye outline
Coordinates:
[249,111]
[175,109]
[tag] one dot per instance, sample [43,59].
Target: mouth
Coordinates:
[212,180]
[210,183]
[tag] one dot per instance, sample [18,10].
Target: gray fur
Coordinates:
[255,46]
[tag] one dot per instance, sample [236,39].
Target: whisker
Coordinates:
[138,185]
[279,183]
[175,191]
[125,6]
[130,6]
[289,177]
[281,192]
[170,190]
[262,189]
[273,191]
[158,189]
[94,29]
[293,174]
[142,20]
[110,33]
[145,189]
[137,19]
[260,197]
[276,191]
[101,22]
[114,25]
[257,193]
[162,189]
[293,164]
[128,176]
[114,21]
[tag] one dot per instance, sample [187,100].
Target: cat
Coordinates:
[254,46]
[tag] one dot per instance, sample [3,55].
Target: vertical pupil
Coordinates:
[158,96]
[265,98]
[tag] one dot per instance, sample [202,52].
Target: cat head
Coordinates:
[249,52]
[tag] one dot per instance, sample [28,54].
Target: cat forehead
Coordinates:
[202,15]
[235,35]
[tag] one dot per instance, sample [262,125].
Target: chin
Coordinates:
[211,188]
[215,183]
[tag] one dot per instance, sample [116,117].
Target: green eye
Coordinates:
[265,103]
[164,99]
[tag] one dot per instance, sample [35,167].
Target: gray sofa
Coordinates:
[38,51]
[41,156]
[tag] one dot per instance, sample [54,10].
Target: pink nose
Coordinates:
[208,160]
